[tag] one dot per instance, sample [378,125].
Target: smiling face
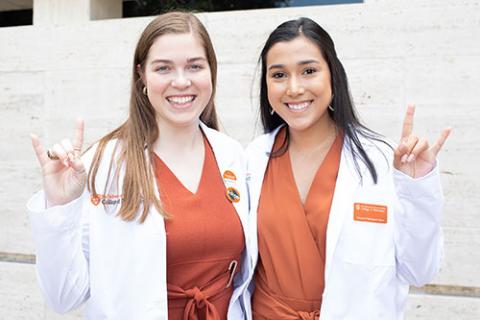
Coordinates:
[178,79]
[298,83]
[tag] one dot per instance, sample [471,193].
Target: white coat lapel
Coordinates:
[347,183]
[257,164]
[229,163]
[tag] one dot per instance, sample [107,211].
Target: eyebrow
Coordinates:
[196,59]
[301,63]
[189,60]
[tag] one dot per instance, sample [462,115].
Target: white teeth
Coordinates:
[180,100]
[298,106]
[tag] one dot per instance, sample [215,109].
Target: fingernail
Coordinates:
[411,158]
[403,159]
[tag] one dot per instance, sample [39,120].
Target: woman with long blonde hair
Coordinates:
[150,222]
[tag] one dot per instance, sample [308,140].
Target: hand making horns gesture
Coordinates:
[414,156]
[63,172]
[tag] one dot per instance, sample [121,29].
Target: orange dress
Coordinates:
[204,236]
[292,237]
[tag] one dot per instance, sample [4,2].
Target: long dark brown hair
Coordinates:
[344,116]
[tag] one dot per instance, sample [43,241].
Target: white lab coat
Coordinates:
[85,253]
[369,266]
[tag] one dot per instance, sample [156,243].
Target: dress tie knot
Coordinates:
[198,297]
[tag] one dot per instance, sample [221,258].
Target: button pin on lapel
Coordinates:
[233,195]
[230,180]
[229,175]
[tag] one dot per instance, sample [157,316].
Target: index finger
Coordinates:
[408,122]
[78,137]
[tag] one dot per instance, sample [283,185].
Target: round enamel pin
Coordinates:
[233,195]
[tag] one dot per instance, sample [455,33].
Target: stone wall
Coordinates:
[395,52]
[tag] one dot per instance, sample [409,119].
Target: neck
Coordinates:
[321,134]
[177,139]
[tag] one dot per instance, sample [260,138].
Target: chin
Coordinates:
[299,125]
[186,122]
[184,117]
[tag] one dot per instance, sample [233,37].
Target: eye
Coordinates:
[195,67]
[309,71]
[162,69]
[278,75]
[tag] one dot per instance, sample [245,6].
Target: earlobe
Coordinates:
[140,71]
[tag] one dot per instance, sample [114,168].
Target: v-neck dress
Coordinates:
[204,236]
[292,237]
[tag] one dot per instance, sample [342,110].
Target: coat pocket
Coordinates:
[367,243]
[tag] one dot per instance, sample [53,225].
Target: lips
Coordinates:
[298,106]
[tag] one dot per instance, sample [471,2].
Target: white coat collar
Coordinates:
[219,142]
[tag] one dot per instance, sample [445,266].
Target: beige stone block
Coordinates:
[20,296]
[426,307]
[58,12]
[21,181]
[105,9]
[21,115]
[462,258]
[88,93]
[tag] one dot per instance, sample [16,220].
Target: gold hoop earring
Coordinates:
[144,90]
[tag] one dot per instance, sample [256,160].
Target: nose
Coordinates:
[180,81]
[295,87]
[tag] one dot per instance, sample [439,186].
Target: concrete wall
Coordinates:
[394,51]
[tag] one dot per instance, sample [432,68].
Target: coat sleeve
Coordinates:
[418,233]
[61,240]
[60,236]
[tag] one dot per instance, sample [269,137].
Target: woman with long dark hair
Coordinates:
[345,222]
[150,222]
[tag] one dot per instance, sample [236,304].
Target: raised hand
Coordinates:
[414,156]
[64,175]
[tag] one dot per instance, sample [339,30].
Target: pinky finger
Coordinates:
[39,150]
[443,137]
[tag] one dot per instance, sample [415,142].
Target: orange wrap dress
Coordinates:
[204,237]
[291,238]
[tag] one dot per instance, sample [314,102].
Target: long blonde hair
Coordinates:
[140,130]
